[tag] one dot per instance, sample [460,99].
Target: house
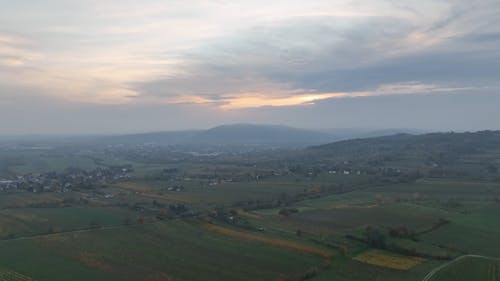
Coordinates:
[6,184]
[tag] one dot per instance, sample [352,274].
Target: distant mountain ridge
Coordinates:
[256,134]
[249,134]
[231,134]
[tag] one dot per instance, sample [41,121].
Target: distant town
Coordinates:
[72,178]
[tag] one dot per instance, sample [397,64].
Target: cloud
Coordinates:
[229,56]
[430,42]
[297,97]
[15,51]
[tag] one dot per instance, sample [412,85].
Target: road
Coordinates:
[439,268]
[90,229]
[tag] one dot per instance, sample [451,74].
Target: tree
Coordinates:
[343,251]
[492,168]
[379,199]
[288,211]
[402,231]
[54,229]
[94,224]
[375,238]
[141,220]
[127,221]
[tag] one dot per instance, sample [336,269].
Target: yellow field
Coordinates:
[133,187]
[267,240]
[389,260]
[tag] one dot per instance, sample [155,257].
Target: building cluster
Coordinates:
[65,181]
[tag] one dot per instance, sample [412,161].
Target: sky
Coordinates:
[109,66]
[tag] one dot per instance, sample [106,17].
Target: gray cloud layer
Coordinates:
[109,66]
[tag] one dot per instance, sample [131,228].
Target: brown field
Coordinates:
[389,260]
[165,197]
[249,215]
[148,192]
[92,260]
[267,240]
[345,206]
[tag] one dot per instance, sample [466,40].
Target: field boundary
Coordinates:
[81,230]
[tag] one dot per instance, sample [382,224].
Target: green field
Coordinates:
[32,221]
[469,268]
[177,250]
[252,215]
[182,250]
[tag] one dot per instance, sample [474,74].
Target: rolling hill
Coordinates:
[250,134]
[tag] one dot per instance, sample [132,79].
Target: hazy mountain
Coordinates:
[251,134]
[416,146]
[361,133]
[262,134]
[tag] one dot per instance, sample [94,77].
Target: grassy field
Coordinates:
[177,250]
[472,228]
[27,258]
[470,268]
[347,269]
[349,219]
[27,162]
[199,194]
[31,221]
[24,199]
[191,250]
[478,228]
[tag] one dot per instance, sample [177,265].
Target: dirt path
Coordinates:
[109,227]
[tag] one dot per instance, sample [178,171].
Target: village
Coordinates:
[70,179]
